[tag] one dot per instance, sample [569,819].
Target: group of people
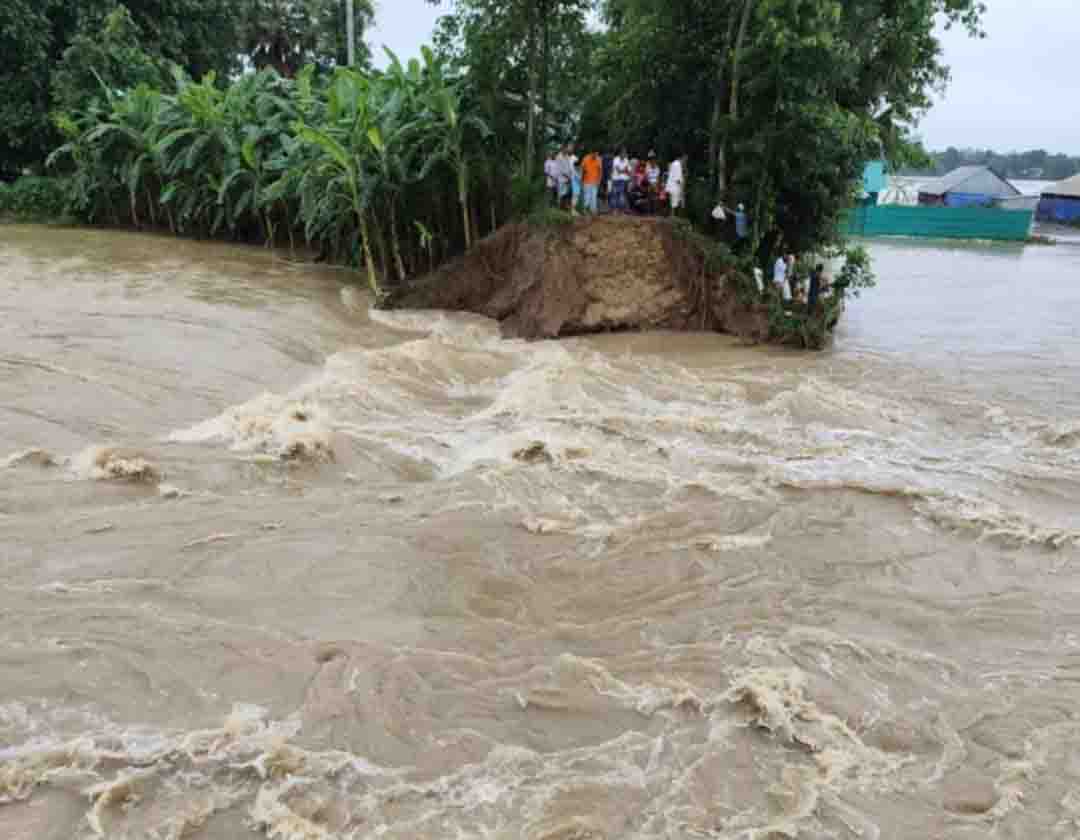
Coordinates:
[789,288]
[639,185]
[627,185]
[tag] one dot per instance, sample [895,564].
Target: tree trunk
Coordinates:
[394,243]
[718,139]
[530,130]
[736,59]
[545,31]
[463,197]
[373,281]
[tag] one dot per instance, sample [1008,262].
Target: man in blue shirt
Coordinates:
[742,223]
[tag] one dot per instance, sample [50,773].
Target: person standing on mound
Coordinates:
[565,169]
[592,172]
[676,184]
[620,182]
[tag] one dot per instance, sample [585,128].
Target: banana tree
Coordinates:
[450,135]
[343,173]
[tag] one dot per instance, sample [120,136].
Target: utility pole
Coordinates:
[350,30]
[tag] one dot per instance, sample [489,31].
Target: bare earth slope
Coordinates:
[597,274]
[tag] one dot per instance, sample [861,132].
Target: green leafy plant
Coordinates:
[35,198]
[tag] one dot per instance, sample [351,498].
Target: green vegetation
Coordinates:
[54,50]
[779,103]
[374,168]
[34,198]
[221,118]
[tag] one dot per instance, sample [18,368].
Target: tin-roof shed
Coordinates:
[965,186]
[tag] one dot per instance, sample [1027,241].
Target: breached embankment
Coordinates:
[600,274]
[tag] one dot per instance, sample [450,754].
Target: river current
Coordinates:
[273,565]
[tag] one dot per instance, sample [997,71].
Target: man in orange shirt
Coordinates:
[592,172]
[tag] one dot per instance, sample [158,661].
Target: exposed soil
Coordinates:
[599,274]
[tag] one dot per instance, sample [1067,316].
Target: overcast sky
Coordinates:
[1018,89]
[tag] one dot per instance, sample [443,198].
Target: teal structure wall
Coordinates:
[939,222]
[874,177]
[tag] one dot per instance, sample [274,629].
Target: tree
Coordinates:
[287,34]
[26,44]
[798,93]
[35,35]
[533,95]
[105,54]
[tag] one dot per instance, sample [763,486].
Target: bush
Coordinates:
[34,197]
[528,195]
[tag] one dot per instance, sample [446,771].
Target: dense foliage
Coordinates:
[779,103]
[34,198]
[531,96]
[380,168]
[1037,164]
[289,34]
[53,52]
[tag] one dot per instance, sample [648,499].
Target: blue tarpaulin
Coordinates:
[1059,209]
[959,199]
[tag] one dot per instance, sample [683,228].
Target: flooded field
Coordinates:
[275,566]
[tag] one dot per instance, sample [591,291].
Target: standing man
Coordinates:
[676,184]
[780,278]
[565,164]
[605,182]
[592,172]
[815,288]
[742,223]
[551,179]
[620,180]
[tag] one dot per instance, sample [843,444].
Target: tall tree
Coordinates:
[287,34]
[35,35]
[536,93]
[798,95]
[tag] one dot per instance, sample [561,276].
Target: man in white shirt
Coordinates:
[676,184]
[620,180]
[565,163]
[780,273]
[551,178]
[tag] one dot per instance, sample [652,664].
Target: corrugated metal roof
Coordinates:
[1070,188]
[955,179]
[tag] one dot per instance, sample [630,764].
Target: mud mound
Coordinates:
[600,274]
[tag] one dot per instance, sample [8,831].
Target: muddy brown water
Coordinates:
[269,566]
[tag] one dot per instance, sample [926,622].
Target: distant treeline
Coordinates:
[1037,164]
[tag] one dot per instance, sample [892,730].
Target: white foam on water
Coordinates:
[29,457]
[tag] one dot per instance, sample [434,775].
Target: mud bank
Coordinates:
[602,274]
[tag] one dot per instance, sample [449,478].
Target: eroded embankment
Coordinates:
[599,274]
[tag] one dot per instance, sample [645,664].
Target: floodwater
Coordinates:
[275,566]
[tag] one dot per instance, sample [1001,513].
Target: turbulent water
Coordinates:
[275,566]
